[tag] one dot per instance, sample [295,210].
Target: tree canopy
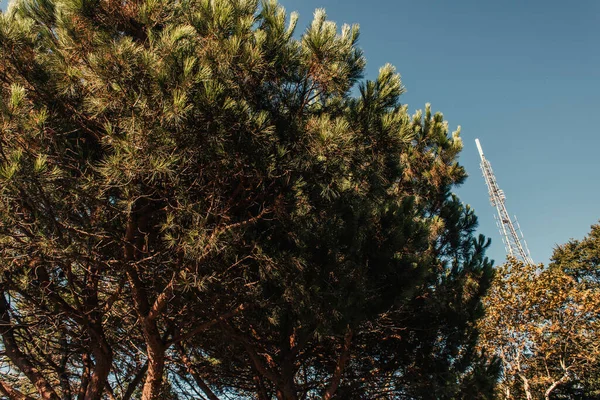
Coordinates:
[542,324]
[196,203]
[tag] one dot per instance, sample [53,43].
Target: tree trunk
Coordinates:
[18,358]
[526,388]
[555,385]
[155,348]
[192,371]
[339,368]
[135,382]
[286,393]
[261,391]
[103,358]
[13,394]
[85,376]
[507,394]
[156,366]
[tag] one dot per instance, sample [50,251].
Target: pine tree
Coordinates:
[193,200]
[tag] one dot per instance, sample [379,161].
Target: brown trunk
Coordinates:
[89,316]
[135,382]
[555,384]
[62,369]
[192,371]
[339,368]
[526,388]
[260,389]
[99,345]
[103,357]
[18,358]
[155,347]
[85,375]
[287,393]
[156,366]
[266,370]
[109,391]
[13,394]
[288,387]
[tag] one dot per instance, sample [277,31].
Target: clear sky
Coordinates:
[522,76]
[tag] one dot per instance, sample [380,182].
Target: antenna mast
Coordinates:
[512,237]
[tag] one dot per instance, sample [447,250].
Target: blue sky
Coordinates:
[522,76]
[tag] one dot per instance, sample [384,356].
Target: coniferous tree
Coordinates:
[193,201]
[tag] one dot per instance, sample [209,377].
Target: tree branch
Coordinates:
[204,326]
[260,387]
[339,368]
[18,358]
[135,382]
[192,371]
[13,394]
[555,385]
[161,300]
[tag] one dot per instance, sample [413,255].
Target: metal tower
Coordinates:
[512,237]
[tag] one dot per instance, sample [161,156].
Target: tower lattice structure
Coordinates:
[510,230]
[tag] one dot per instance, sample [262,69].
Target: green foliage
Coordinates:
[188,173]
[580,260]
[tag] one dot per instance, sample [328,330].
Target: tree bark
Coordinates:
[526,388]
[109,391]
[339,368]
[85,376]
[13,394]
[90,318]
[18,358]
[103,357]
[192,371]
[135,382]
[155,347]
[287,356]
[99,345]
[62,369]
[156,364]
[555,385]
[261,391]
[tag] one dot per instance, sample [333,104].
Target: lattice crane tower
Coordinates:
[512,237]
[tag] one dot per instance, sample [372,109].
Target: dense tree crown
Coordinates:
[196,203]
[542,324]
